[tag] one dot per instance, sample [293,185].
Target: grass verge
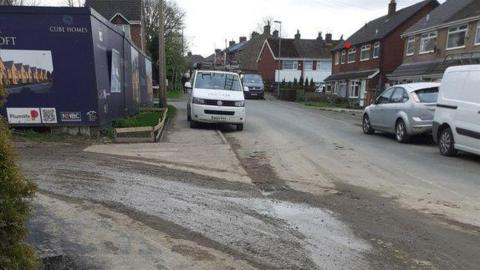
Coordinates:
[326,104]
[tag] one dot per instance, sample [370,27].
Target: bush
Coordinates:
[15,191]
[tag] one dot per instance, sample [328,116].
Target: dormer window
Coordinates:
[428,42]
[410,49]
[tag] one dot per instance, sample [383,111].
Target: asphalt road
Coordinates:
[321,196]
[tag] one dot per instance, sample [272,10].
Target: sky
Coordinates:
[38,59]
[210,22]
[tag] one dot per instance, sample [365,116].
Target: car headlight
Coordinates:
[198,101]
[240,103]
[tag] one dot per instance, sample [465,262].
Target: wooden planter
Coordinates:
[135,134]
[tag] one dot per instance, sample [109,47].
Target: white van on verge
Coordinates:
[456,125]
[216,97]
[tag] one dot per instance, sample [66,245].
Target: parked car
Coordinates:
[254,85]
[216,97]
[404,110]
[456,125]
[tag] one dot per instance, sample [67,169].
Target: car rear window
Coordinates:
[428,95]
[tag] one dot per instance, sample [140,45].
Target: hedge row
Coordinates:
[15,195]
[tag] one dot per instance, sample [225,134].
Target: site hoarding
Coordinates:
[68,65]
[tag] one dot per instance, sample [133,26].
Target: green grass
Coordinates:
[143,119]
[174,93]
[47,136]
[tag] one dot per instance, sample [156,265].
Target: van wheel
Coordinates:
[446,143]
[401,132]
[189,114]
[367,126]
[239,127]
[193,124]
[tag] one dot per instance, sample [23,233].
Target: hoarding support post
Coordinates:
[162,66]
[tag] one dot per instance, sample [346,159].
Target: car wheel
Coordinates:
[367,126]
[401,132]
[239,127]
[446,142]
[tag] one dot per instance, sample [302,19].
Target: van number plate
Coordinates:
[219,118]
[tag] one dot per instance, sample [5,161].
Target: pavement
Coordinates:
[299,188]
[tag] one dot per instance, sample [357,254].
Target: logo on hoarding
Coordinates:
[92,116]
[23,116]
[7,41]
[68,29]
[49,115]
[71,116]
[68,20]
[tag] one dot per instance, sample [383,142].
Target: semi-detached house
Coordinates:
[284,59]
[448,36]
[362,62]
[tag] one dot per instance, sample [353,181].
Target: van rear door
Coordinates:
[467,117]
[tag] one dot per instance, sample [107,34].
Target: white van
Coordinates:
[456,125]
[216,97]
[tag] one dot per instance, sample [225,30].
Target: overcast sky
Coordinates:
[210,22]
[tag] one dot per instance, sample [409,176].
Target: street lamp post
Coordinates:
[279,55]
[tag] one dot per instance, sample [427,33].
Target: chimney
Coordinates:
[320,36]
[267,30]
[298,36]
[218,51]
[254,35]
[243,39]
[189,54]
[231,43]
[275,34]
[392,7]
[329,38]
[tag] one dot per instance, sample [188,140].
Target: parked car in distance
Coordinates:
[404,110]
[456,125]
[254,85]
[216,97]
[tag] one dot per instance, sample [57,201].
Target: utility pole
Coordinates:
[162,65]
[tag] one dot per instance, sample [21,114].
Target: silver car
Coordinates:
[403,110]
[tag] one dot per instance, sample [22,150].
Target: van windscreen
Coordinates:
[428,95]
[218,81]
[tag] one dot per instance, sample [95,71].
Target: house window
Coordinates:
[427,43]
[325,66]
[376,50]
[337,58]
[354,90]
[308,65]
[289,64]
[351,55]
[365,53]
[477,37]
[456,37]
[410,50]
[342,59]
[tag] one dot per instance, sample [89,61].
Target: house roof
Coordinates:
[237,47]
[448,12]
[381,27]
[8,64]
[300,48]
[353,75]
[129,9]
[18,66]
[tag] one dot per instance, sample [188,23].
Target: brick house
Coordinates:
[21,75]
[28,73]
[289,59]
[11,73]
[34,75]
[248,53]
[448,36]
[127,14]
[361,63]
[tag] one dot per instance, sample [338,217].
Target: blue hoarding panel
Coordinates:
[68,66]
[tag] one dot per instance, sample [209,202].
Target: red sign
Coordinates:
[348,44]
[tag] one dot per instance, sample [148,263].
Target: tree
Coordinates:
[73,3]
[15,191]
[174,19]
[25,2]
[268,20]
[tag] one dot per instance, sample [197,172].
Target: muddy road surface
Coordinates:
[303,194]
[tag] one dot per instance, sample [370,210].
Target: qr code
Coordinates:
[49,115]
